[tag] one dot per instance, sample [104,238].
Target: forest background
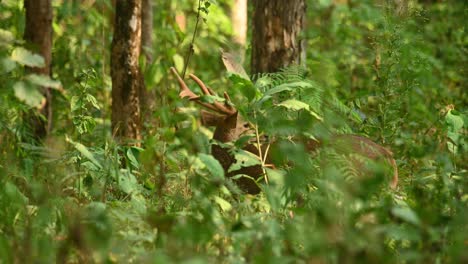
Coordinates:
[75,187]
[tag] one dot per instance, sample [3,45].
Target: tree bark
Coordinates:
[275,37]
[147,29]
[38,36]
[125,71]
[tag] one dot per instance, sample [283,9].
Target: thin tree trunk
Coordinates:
[38,35]
[275,38]
[125,71]
[147,100]
[239,24]
[147,29]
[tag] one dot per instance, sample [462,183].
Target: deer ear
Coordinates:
[211,119]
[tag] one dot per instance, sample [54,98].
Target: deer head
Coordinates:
[230,126]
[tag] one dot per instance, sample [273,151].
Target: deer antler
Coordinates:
[215,106]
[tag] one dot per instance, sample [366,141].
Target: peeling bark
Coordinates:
[125,71]
[38,36]
[275,38]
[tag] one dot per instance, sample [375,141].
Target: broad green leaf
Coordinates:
[455,124]
[27,58]
[225,205]
[244,159]
[213,165]
[406,214]
[132,158]
[296,105]
[276,177]
[84,151]
[43,80]
[7,65]
[28,94]
[127,182]
[6,37]
[246,87]
[178,62]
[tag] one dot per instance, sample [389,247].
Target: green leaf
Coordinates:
[225,205]
[454,122]
[287,87]
[28,94]
[246,87]
[26,58]
[6,37]
[75,103]
[406,214]
[213,165]
[127,182]
[296,105]
[43,80]
[92,100]
[244,159]
[178,62]
[84,151]
[7,65]
[132,158]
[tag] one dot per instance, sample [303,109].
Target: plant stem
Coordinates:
[190,51]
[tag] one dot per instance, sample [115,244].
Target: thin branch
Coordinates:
[190,51]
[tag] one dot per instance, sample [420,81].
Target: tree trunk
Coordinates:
[125,71]
[239,24]
[147,30]
[147,96]
[38,36]
[275,37]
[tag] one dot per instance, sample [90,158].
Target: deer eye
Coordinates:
[246,125]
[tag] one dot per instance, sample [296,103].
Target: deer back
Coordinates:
[230,126]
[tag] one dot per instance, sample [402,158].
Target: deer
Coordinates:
[230,126]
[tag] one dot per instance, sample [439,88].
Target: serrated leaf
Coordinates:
[28,94]
[213,165]
[27,58]
[244,159]
[43,80]
[92,100]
